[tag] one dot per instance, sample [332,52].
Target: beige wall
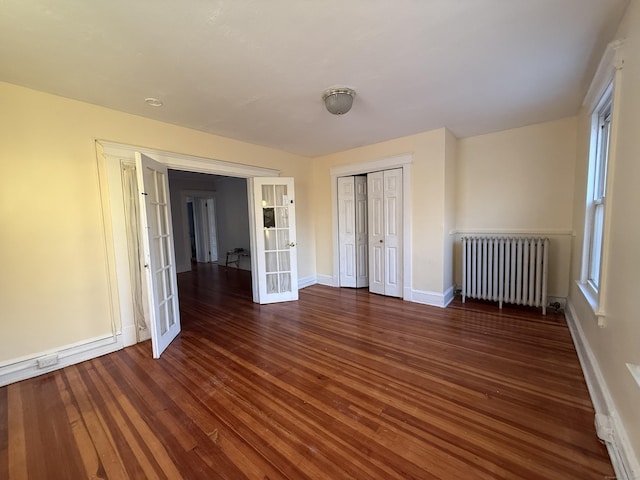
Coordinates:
[427,196]
[520,181]
[618,342]
[53,288]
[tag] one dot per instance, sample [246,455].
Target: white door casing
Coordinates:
[385,232]
[159,280]
[274,255]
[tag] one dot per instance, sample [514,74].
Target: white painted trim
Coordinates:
[434,299]
[328,280]
[129,335]
[27,367]
[387,163]
[511,231]
[188,163]
[635,372]
[399,161]
[624,460]
[611,60]
[307,281]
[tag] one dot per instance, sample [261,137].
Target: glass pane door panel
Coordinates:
[268,196]
[167,282]
[282,217]
[160,182]
[272,283]
[284,261]
[285,282]
[283,239]
[270,240]
[271,259]
[281,195]
[163,318]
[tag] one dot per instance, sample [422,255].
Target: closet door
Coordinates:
[362,232]
[347,230]
[352,231]
[385,232]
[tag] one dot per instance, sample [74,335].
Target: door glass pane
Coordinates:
[271,259]
[281,195]
[285,263]
[165,251]
[268,196]
[156,252]
[285,282]
[272,283]
[163,221]
[163,318]
[270,240]
[150,185]
[170,317]
[283,239]
[282,217]
[162,198]
[268,217]
[167,283]
[160,286]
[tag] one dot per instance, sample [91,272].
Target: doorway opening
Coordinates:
[111,158]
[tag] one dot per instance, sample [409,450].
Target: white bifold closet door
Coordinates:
[385,232]
[352,231]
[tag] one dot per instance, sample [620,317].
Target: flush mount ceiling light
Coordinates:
[154,102]
[338,100]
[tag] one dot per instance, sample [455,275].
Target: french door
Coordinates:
[159,281]
[274,223]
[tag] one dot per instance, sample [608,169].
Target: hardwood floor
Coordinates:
[339,385]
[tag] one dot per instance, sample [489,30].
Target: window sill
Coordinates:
[592,299]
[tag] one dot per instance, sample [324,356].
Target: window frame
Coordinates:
[595,211]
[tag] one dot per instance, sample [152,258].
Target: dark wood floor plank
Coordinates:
[341,384]
[4,433]
[17,451]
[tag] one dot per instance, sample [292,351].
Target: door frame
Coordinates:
[109,155]
[403,161]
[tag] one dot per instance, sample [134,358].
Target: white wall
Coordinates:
[618,343]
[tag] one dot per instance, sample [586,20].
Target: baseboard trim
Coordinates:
[326,280]
[27,367]
[624,460]
[432,298]
[307,281]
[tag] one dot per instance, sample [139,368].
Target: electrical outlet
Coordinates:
[48,361]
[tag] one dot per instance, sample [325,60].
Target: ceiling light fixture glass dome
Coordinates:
[338,100]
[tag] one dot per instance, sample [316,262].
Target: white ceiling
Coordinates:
[255,70]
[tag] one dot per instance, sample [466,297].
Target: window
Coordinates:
[597,190]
